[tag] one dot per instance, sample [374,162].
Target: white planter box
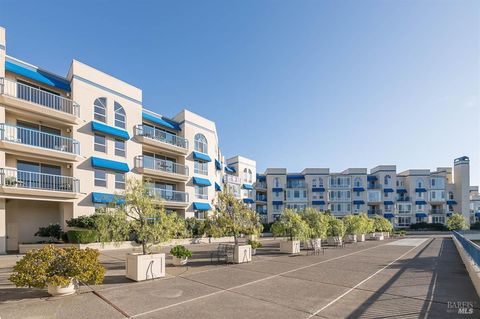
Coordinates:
[290,246]
[352,238]
[379,236]
[59,291]
[179,261]
[386,234]
[242,254]
[361,237]
[334,240]
[142,267]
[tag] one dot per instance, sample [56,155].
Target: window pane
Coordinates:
[120,148]
[100,143]
[120,180]
[100,178]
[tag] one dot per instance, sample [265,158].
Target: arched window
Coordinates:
[419,183]
[245,175]
[450,195]
[357,182]
[100,109]
[201,144]
[250,176]
[119,115]
[386,179]
[320,182]
[276,182]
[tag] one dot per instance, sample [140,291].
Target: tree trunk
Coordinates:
[144,247]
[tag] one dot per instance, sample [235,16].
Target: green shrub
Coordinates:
[82,236]
[180,251]
[456,222]
[88,222]
[475,226]
[335,227]
[255,244]
[53,231]
[427,226]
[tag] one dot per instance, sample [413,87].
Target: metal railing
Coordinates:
[262,198]
[374,212]
[37,96]
[33,180]
[26,136]
[169,195]
[162,136]
[404,211]
[437,211]
[472,249]
[261,185]
[374,186]
[149,162]
[403,199]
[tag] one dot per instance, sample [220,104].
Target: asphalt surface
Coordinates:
[396,278]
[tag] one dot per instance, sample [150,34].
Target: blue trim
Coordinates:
[477,214]
[358,189]
[247,186]
[201,206]
[295,177]
[218,188]
[110,130]
[261,178]
[451,202]
[387,202]
[318,189]
[201,156]
[401,190]
[201,181]
[109,164]
[104,198]
[161,121]
[248,201]
[388,215]
[371,178]
[358,202]
[229,169]
[420,190]
[38,75]
[218,165]
[420,202]
[277,189]
[76,77]
[277,202]
[318,202]
[388,190]
[421,215]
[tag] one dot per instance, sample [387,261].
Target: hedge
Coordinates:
[82,236]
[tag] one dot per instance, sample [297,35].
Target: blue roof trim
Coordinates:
[318,202]
[401,190]
[161,121]
[318,189]
[295,177]
[358,189]
[277,189]
[201,206]
[218,165]
[420,202]
[248,201]
[229,169]
[109,164]
[371,178]
[110,130]
[201,156]
[218,188]
[451,202]
[387,202]
[104,198]
[420,190]
[201,181]
[421,215]
[38,75]
[247,186]
[388,215]
[277,202]
[359,202]
[388,190]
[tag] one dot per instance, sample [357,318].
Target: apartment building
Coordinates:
[69,143]
[474,204]
[412,196]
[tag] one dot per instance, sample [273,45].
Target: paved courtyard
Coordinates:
[397,278]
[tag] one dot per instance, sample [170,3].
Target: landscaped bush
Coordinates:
[88,222]
[267,227]
[180,251]
[381,224]
[427,226]
[82,236]
[336,228]
[52,231]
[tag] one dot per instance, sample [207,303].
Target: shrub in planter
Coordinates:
[52,231]
[294,228]
[58,268]
[180,255]
[456,222]
[336,230]
[255,244]
[88,222]
[82,236]
[317,221]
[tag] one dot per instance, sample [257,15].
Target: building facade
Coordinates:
[405,198]
[68,144]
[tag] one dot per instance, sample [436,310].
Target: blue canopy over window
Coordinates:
[261,178]
[358,202]
[388,215]
[104,198]
[201,206]
[248,200]
[277,189]
[229,169]
[387,202]
[161,121]
[201,156]
[247,186]
[318,189]
[401,190]
[477,214]
[420,190]
[201,181]
[218,188]
[218,165]
[388,190]
[421,215]
[358,189]
[38,75]
[451,202]
[295,177]
[277,202]
[110,130]
[371,178]
[420,202]
[318,202]
[109,164]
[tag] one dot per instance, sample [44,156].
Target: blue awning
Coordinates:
[201,156]
[104,198]
[387,202]
[451,202]
[358,189]
[201,206]
[218,188]
[318,189]
[421,215]
[201,181]
[295,177]
[261,178]
[38,75]
[109,164]
[248,201]
[229,169]
[218,165]
[371,178]
[477,214]
[420,190]
[388,190]
[277,189]
[420,202]
[110,130]
[401,190]
[358,202]
[388,215]
[161,121]
[247,186]
[318,202]
[277,202]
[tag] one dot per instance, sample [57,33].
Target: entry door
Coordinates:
[12,236]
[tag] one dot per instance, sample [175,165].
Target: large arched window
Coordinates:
[245,175]
[386,179]
[100,109]
[201,144]
[250,176]
[119,115]
[357,182]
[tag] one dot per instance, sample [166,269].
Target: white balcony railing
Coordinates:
[232,179]
[37,96]
[149,162]
[162,136]
[33,180]
[21,135]
[169,195]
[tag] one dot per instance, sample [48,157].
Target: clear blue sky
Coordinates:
[289,83]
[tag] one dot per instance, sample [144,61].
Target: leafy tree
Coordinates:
[381,224]
[366,224]
[456,222]
[353,224]
[317,221]
[335,227]
[292,225]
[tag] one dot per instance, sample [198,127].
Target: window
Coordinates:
[119,115]
[100,143]
[120,148]
[200,214]
[120,180]
[419,183]
[201,168]
[276,182]
[320,182]
[201,192]
[314,182]
[450,195]
[245,175]
[201,144]
[250,176]
[100,109]
[100,178]
[387,179]
[357,182]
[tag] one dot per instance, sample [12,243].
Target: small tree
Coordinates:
[291,225]
[457,222]
[317,221]
[353,224]
[336,228]
[366,224]
[381,224]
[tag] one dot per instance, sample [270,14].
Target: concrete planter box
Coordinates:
[60,291]
[242,254]
[179,261]
[290,246]
[142,267]
[351,238]
[386,234]
[361,237]
[334,240]
[379,236]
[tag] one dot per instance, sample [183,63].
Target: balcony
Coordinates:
[375,212]
[43,103]
[437,211]
[374,186]
[403,199]
[232,179]
[156,138]
[20,140]
[25,184]
[161,168]
[261,198]
[169,198]
[261,186]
